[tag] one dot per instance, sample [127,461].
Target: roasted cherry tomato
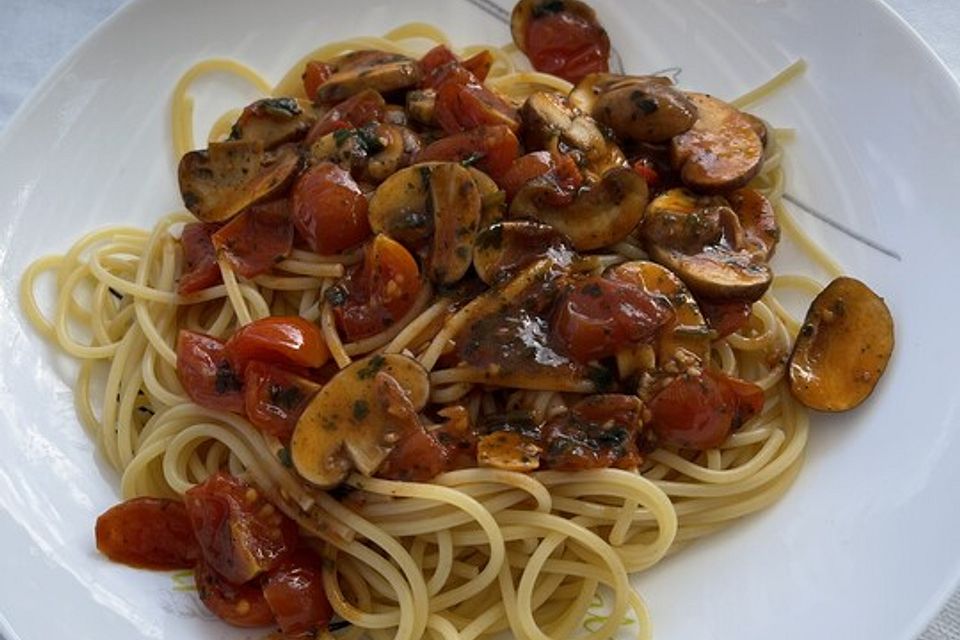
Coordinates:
[281,339]
[329,210]
[417,456]
[377,294]
[479,64]
[559,170]
[355,111]
[647,171]
[461,107]
[700,411]
[240,533]
[596,433]
[566,43]
[200,268]
[256,239]
[725,317]
[294,592]
[275,398]
[241,605]
[150,533]
[206,374]
[598,316]
[315,73]
[492,149]
[440,65]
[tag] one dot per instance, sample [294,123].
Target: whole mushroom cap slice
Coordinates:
[722,151]
[346,425]
[368,69]
[273,121]
[435,201]
[717,273]
[601,215]
[221,181]
[843,347]
[638,108]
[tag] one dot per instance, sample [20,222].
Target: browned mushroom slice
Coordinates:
[722,151]
[368,69]
[422,105]
[601,215]
[504,337]
[493,207]
[505,247]
[435,201]
[221,181]
[346,426]
[273,121]
[639,108]
[701,239]
[843,348]
[686,336]
[761,233]
[508,450]
[549,122]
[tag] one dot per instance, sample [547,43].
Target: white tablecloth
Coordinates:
[35,34]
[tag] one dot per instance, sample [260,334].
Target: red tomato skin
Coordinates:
[644,168]
[439,65]
[560,170]
[148,533]
[256,239]
[370,302]
[241,535]
[494,149]
[355,111]
[479,64]
[567,45]
[206,374]
[295,595]
[274,398]
[279,339]
[699,412]
[598,432]
[200,268]
[597,316]
[329,210]
[238,605]
[315,73]
[461,107]
[725,317]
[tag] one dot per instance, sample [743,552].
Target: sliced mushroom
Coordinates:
[549,122]
[346,425]
[843,348]
[722,150]
[638,108]
[221,181]
[273,121]
[761,233]
[368,69]
[435,201]
[504,248]
[422,105]
[701,239]
[372,152]
[493,201]
[508,450]
[686,336]
[504,337]
[601,215]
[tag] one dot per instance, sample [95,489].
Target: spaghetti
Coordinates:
[476,551]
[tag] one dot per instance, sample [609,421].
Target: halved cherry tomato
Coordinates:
[493,149]
[294,592]
[149,533]
[240,533]
[440,64]
[598,316]
[417,456]
[379,293]
[329,210]
[257,238]
[725,317]
[700,411]
[461,107]
[559,169]
[315,73]
[275,398]
[597,432]
[567,44]
[200,268]
[206,374]
[355,111]
[281,339]
[457,437]
[479,64]
[646,170]
[240,605]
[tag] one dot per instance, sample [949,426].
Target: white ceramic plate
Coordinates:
[865,545]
